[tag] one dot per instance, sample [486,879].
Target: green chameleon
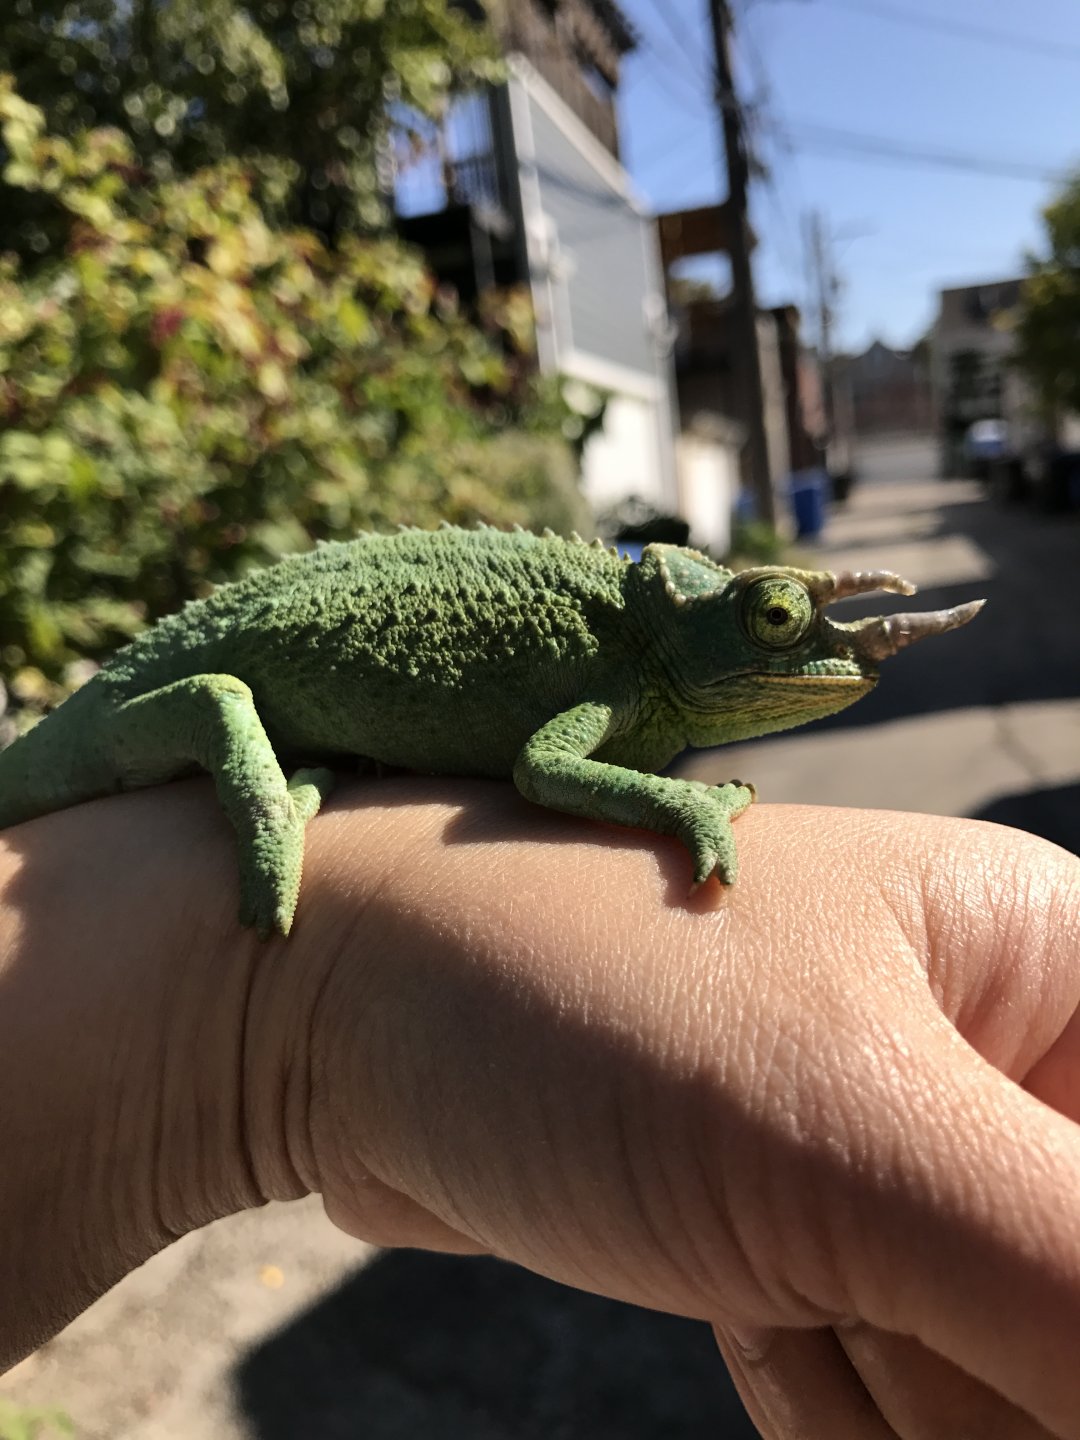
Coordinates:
[463,652]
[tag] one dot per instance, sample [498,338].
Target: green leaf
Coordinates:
[192,384]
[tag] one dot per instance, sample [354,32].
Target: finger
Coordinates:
[1055,1079]
[922,1395]
[799,1383]
[968,1235]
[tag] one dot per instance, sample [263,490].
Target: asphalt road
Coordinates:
[984,721]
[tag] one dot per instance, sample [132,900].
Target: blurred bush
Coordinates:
[1047,320]
[18,1423]
[189,389]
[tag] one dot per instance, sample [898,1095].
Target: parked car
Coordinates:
[985,442]
[1045,473]
[1052,477]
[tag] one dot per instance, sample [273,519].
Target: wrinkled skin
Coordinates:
[833,1110]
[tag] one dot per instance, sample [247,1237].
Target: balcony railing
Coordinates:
[529,31]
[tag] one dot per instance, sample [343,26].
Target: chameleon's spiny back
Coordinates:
[407,593]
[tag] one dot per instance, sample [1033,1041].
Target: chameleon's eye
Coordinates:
[777,612]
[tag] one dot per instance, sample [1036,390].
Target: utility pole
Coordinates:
[838,416]
[821,270]
[745,308]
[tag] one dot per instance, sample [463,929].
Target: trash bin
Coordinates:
[746,507]
[809,491]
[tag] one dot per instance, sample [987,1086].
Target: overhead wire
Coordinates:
[752,115]
[808,134]
[684,38]
[680,53]
[789,135]
[958,29]
[766,127]
[673,68]
[812,135]
[672,82]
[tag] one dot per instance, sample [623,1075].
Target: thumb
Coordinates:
[972,1244]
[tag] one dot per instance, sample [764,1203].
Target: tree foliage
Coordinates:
[17,1422]
[1048,324]
[305,83]
[188,389]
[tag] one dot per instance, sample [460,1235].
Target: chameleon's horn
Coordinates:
[884,636]
[860,582]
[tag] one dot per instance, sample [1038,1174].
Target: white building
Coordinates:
[524,184]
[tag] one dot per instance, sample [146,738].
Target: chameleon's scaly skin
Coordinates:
[460,652]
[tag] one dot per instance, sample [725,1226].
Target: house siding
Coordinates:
[600,253]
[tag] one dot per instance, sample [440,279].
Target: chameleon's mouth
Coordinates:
[808,676]
[805,685]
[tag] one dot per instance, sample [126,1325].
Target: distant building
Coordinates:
[522,184]
[886,390]
[708,369]
[970,347]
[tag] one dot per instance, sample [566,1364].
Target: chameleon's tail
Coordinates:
[57,763]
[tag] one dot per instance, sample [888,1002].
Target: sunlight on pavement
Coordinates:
[955,762]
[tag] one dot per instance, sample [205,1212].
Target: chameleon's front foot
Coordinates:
[552,770]
[707,832]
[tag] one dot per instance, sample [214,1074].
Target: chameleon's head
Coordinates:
[751,652]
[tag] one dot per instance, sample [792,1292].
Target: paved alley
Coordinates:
[984,721]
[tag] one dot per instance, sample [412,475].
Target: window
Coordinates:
[594,77]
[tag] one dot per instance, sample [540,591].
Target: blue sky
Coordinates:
[902,231]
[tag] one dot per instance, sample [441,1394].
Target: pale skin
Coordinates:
[832,1110]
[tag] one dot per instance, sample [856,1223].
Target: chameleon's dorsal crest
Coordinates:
[687,575]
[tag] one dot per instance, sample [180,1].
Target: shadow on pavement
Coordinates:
[1023,646]
[434,1347]
[1053,813]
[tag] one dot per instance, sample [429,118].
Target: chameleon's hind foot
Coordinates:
[308,789]
[272,864]
[211,720]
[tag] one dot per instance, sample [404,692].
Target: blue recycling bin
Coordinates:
[809,494]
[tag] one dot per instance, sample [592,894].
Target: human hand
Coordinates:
[803,1108]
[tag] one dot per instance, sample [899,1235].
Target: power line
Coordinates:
[672,146]
[959,29]
[686,52]
[758,123]
[808,135]
[689,44]
[765,125]
[678,93]
[674,83]
[785,243]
